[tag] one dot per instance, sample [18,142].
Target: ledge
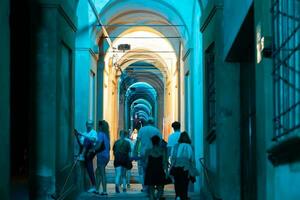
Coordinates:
[285,151]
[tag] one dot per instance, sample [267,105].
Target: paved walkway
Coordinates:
[133,193]
[135,190]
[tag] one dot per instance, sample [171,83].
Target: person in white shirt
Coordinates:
[173,137]
[86,139]
[87,142]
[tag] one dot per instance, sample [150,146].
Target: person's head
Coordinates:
[103,127]
[184,138]
[123,134]
[150,121]
[155,140]
[176,126]
[89,125]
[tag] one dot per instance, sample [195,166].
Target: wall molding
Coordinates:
[210,16]
[63,12]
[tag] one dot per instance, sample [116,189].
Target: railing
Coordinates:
[210,187]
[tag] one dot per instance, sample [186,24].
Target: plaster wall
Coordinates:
[278,182]
[223,154]
[4,100]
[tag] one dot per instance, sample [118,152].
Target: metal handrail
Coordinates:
[209,184]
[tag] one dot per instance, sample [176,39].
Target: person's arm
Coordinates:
[76,133]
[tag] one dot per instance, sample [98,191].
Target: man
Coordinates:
[87,142]
[173,137]
[144,141]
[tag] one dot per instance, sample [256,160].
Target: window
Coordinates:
[210,92]
[286,67]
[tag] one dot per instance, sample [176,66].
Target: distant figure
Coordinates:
[173,137]
[122,161]
[183,166]
[143,143]
[134,135]
[87,142]
[103,157]
[156,167]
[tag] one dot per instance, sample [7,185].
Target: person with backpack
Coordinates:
[122,161]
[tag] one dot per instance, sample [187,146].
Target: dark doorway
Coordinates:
[247,109]
[243,52]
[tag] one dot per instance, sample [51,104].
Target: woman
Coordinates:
[156,165]
[122,161]
[183,166]
[103,156]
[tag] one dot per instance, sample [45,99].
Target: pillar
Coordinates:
[4,100]
[44,138]
[51,140]
[100,80]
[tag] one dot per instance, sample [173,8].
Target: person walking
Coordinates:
[183,166]
[103,157]
[122,162]
[128,172]
[143,143]
[173,137]
[156,168]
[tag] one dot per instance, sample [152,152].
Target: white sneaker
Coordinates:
[92,190]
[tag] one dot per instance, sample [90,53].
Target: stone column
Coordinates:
[4,100]
[51,149]
[43,139]
[100,71]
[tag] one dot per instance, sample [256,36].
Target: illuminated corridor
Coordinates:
[227,70]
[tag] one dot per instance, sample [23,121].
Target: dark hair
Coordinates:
[104,127]
[155,140]
[176,125]
[184,138]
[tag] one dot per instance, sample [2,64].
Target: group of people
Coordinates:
[159,162]
[94,144]
[163,162]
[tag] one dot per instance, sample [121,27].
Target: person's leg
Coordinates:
[185,185]
[98,177]
[151,192]
[141,171]
[178,182]
[160,191]
[128,178]
[117,178]
[124,179]
[143,163]
[103,177]
[90,170]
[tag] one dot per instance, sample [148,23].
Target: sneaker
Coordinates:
[103,193]
[117,189]
[92,190]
